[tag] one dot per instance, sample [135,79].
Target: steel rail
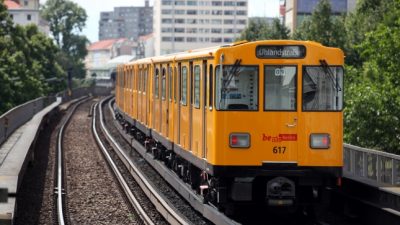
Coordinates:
[124,185]
[162,206]
[60,184]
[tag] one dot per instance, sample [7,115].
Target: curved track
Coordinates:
[166,210]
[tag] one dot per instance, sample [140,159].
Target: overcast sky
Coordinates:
[269,8]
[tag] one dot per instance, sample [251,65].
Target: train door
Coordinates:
[209,111]
[184,107]
[134,93]
[177,109]
[146,91]
[164,101]
[281,113]
[171,77]
[130,90]
[191,79]
[156,98]
[140,94]
[204,93]
[197,111]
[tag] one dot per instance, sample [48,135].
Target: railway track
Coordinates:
[168,213]
[61,205]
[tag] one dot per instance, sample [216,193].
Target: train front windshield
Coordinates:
[322,88]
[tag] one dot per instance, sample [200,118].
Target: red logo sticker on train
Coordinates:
[280,137]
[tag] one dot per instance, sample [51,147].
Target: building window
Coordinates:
[191,39]
[216,3]
[228,40]
[228,21]
[191,30]
[166,29]
[25,3]
[179,39]
[191,12]
[179,30]
[229,12]
[191,2]
[229,3]
[179,21]
[216,30]
[166,21]
[166,39]
[216,21]
[29,17]
[241,22]
[191,21]
[216,40]
[180,12]
[241,12]
[179,2]
[216,12]
[241,4]
[166,11]
[166,2]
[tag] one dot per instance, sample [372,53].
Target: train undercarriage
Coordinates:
[286,189]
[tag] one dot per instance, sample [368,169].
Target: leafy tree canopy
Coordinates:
[66,20]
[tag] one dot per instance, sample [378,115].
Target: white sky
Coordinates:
[269,8]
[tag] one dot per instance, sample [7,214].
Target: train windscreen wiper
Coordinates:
[329,72]
[234,71]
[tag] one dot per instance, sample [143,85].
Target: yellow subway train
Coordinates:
[250,122]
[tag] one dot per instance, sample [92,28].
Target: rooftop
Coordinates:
[11,4]
[105,44]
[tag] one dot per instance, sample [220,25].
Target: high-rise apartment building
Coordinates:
[180,25]
[296,11]
[126,22]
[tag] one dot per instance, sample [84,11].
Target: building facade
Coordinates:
[296,11]
[126,22]
[101,52]
[181,25]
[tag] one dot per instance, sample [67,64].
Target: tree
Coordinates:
[373,108]
[27,60]
[367,16]
[322,27]
[66,20]
[261,30]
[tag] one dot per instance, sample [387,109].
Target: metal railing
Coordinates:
[374,167]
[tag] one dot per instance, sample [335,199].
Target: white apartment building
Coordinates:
[24,12]
[181,25]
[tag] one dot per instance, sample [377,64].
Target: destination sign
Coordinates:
[280,51]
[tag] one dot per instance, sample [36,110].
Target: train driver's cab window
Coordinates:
[236,88]
[280,88]
[322,88]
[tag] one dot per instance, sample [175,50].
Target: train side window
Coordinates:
[156,84]
[163,85]
[197,86]
[144,80]
[210,97]
[184,86]
[175,83]
[170,83]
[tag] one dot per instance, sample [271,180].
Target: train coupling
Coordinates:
[280,192]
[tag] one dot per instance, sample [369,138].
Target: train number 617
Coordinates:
[279,150]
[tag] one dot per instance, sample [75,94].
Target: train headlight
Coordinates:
[320,141]
[239,140]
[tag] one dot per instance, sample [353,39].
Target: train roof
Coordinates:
[211,51]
